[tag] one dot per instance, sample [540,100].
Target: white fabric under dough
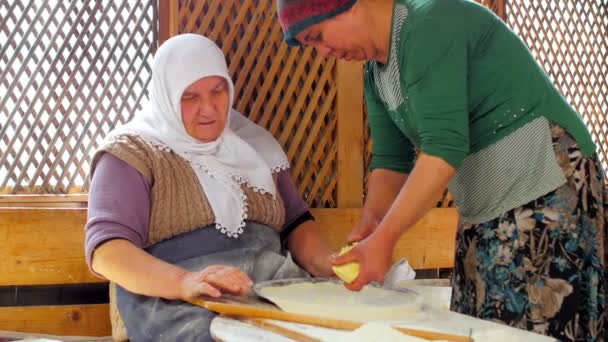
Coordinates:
[434,297]
[376,332]
[332,300]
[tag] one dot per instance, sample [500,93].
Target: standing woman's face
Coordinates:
[343,37]
[204,106]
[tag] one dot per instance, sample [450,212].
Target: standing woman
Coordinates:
[450,79]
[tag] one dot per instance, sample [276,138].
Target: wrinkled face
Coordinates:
[204,106]
[342,37]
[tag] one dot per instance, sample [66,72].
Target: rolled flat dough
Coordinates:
[332,300]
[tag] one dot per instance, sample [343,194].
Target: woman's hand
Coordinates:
[319,263]
[310,250]
[374,255]
[365,227]
[422,188]
[213,281]
[322,266]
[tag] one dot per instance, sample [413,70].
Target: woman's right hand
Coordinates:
[213,281]
[365,227]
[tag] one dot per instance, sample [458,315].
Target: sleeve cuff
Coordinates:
[103,233]
[392,163]
[291,227]
[452,157]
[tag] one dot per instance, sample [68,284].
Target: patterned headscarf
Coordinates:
[297,15]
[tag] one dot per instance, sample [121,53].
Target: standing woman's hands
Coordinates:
[424,185]
[374,255]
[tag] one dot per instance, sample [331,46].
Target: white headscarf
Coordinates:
[243,154]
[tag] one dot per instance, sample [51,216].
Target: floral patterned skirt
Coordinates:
[541,267]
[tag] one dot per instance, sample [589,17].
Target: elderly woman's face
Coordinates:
[205,108]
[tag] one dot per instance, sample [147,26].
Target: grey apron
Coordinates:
[256,252]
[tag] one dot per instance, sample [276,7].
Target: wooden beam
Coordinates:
[350,134]
[168,21]
[76,198]
[54,201]
[501,9]
[38,190]
[74,320]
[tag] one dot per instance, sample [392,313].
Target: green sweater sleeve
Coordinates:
[391,150]
[435,71]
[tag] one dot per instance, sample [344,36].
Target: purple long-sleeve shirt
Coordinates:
[119,204]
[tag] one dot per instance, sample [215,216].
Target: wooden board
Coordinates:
[429,244]
[264,311]
[81,320]
[43,246]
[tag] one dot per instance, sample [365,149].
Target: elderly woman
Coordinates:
[449,79]
[191,198]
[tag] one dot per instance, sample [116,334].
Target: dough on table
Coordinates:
[332,300]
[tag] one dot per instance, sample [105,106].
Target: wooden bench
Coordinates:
[44,246]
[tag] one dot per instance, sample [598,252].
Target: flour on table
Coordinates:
[376,332]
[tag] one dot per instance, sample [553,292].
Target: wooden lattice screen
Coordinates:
[570,40]
[61,93]
[69,72]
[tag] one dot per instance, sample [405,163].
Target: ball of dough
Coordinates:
[347,272]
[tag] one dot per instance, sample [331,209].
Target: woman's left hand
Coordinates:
[322,266]
[374,254]
[310,250]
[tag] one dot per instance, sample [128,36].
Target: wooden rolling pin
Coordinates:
[251,309]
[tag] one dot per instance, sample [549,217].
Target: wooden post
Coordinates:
[168,19]
[350,134]
[501,9]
